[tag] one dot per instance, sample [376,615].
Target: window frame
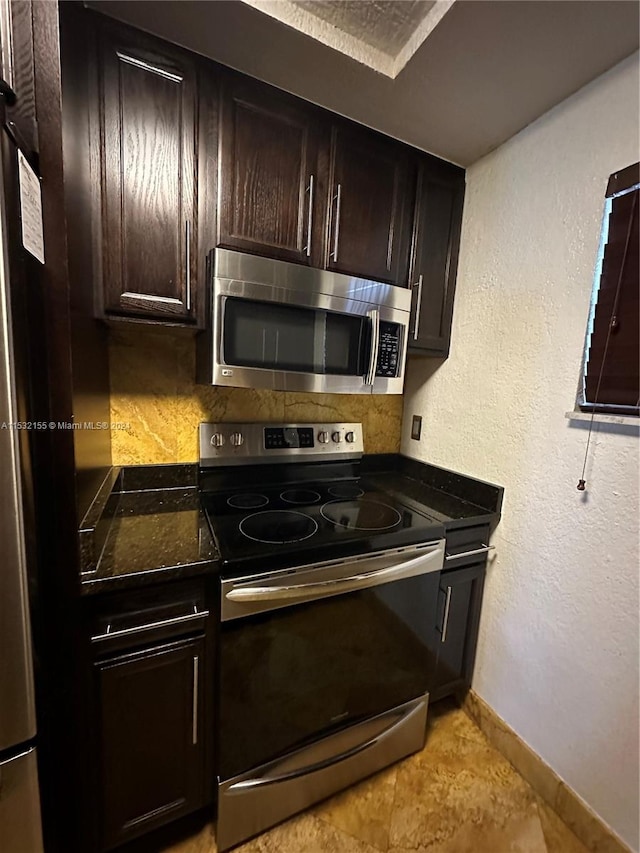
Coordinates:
[620,183]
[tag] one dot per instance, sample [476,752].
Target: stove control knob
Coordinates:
[237,439]
[337,437]
[217,439]
[350,437]
[323,437]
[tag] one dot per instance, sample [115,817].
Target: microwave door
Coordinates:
[293,346]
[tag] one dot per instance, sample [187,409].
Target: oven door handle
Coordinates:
[295,767]
[374,316]
[426,562]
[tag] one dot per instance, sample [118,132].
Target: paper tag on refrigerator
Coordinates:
[31,209]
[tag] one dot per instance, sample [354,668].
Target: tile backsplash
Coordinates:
[153,390]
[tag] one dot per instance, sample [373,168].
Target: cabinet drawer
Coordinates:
[468,545]
[145,617]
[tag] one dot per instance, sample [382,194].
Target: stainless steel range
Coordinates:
[328,601]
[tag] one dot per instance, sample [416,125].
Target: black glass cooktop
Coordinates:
[310,522]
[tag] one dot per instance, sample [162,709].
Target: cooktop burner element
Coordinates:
[300,496]
[247,501]
[278,527]
[346,491]
[361,515]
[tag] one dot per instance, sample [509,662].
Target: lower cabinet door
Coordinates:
[460,603]
[152,761]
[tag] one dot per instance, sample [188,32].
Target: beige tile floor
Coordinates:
[458,795]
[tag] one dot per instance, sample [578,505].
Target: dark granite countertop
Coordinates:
[145,536]
[455,499]
[146,524]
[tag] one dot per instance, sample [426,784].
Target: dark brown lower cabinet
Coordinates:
[151,705]
[460,603]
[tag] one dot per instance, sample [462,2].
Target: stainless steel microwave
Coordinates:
[287,327]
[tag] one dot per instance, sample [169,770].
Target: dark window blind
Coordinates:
[612,368]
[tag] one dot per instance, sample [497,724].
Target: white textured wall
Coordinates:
[558,651]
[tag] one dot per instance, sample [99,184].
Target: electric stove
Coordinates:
[328,639]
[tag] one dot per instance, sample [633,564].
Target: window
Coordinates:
[611,377]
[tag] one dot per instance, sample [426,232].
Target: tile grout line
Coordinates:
[340,829]
[393,808]
[350,834]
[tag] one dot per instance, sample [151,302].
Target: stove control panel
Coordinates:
[281,437]
[233,444]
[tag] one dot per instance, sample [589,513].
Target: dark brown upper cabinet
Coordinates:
[189,155]
[298,187]
[434,256]
[270,188]
[370,206]
[147,125]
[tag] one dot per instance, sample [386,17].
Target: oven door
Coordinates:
[307,652]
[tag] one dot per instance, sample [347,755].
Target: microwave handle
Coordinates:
[374,316]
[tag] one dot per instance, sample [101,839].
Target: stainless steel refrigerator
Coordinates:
[20,826]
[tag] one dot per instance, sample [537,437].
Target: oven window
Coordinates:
[297,673]
[286,337]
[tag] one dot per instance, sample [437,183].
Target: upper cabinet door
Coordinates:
[369,206]
[148,127]
[434,259]
[270,189]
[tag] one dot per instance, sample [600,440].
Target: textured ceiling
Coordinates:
[486,70]
[383,24]
[382,34]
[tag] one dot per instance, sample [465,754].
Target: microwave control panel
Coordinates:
[388,349]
